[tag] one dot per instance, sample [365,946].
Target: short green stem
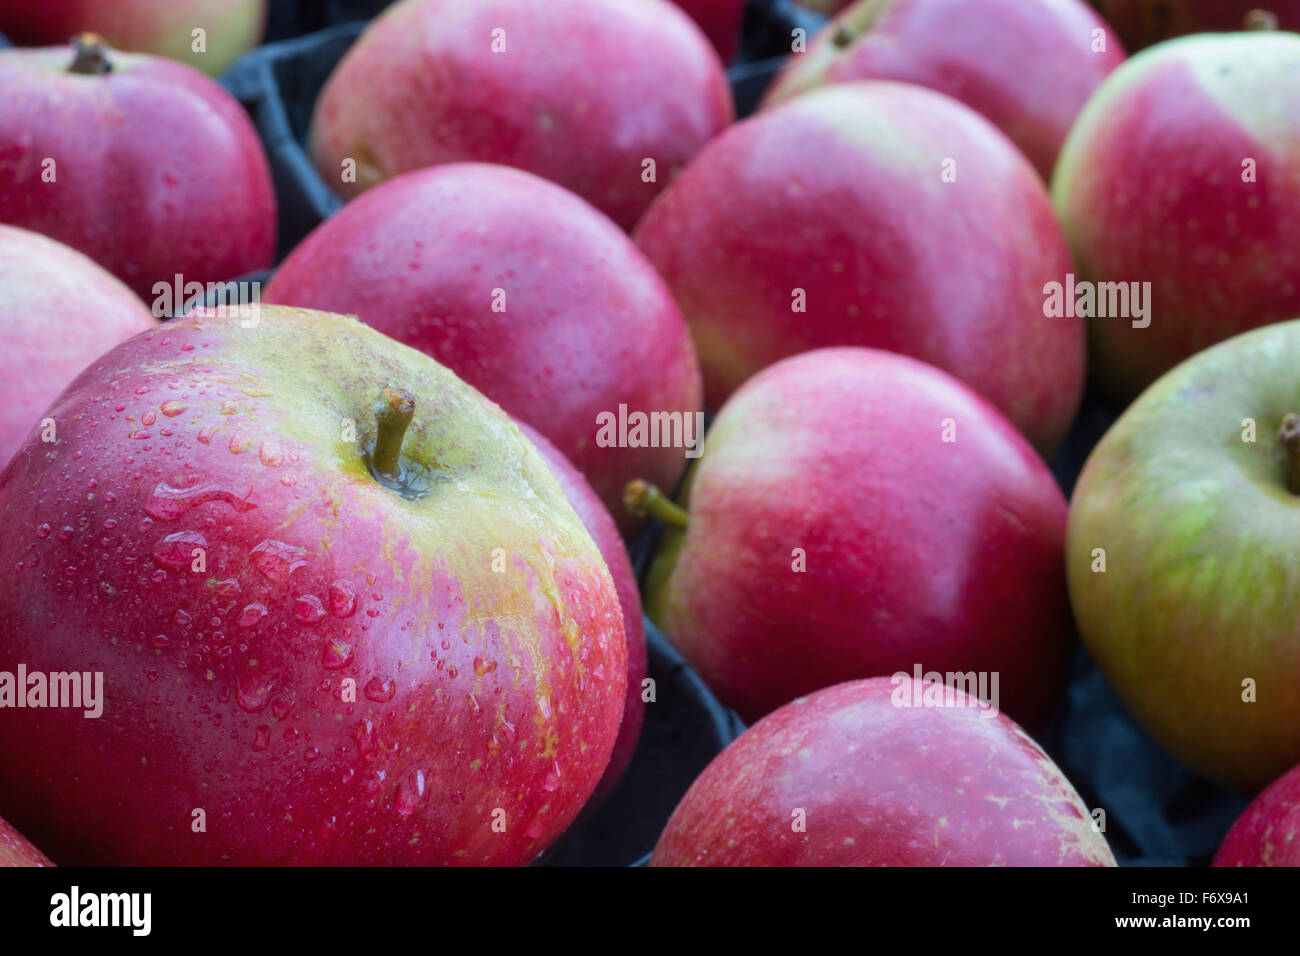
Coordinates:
[394,409]
[92,55]
[644,499]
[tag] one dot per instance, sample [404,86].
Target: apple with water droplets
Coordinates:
[342,608]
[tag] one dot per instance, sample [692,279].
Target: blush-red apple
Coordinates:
[17,850]
[849,776]
[58,312]
[142,163]
[873,214]
[341,608]
[604,97]
[598,521]
[858,513]
[1268,831]
[524,291]
[1026,67]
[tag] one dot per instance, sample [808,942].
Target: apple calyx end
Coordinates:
[394,409]
[91,55]
[645,500]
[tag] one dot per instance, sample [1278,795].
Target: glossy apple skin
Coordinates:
[587,323]
[16,850]
[158,170]
[599,523]
[162,27]
[839,193]
[476,689]
[1220,253]
[881,785]
[58,312]
[585,92]
[1026,67]
[914,547]
[1200,586]
[1268,831]
[720,20]
[1141,23]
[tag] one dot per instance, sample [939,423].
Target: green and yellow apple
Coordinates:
[341,608]
[1182,559]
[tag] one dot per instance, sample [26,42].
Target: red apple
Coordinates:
[324,637]
[164,27]
[58,312]
[1183,173]
[1028,67]
[850,776]
[720,20]
[858,513]
[1141,23]
[604,97]
[830,221]
[598,522]
[150,168]
[1268,831]
[524,291]
[15,850]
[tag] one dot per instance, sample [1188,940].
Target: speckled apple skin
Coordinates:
[1026,67]
[16,850]
[914,549]
[158,170]
[585,92]
[58,312]
[585,322]
[1268,831]
[881,785]
[1150,189]
[840,193]
[479,623]
[604,532]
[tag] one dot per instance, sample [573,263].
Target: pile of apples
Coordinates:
[350,559]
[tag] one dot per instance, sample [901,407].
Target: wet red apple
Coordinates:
[524,291]
[58,312]
[873,214]
[858,513]
[607,98]
[163,27]
[15,850]
[848,777]
[1026,67]
[598,521]
[143,164]
[1213,248]
[1268,831]
[342,610]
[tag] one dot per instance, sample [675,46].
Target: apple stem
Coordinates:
[394,409]
[642,499]
[1261,20]
[92,55]
[1289,437]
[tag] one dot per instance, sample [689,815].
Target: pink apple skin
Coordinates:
[881,785]
[162,27]
[158,171]
[1027,67]
[720,20]
[839,193]
[586,91]
[1141,23]
[597,520]
[914,548]
[15,850]
[1222,255]
[477,690]
[588,324]
[1268,831]
[58,312]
